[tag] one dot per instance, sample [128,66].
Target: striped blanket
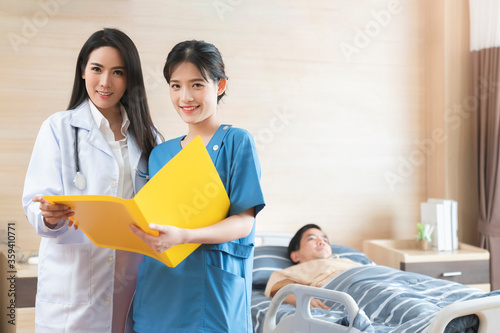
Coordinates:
[390,301]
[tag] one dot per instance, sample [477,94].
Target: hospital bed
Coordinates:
[368,298]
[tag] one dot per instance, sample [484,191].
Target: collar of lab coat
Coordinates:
[82,118]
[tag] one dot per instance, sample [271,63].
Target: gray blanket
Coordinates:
[390,301]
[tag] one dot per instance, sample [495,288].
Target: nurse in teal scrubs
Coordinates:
[210,290]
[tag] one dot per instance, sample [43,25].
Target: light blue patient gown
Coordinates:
[210,290]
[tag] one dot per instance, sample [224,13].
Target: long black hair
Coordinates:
[134,99]
[205,56]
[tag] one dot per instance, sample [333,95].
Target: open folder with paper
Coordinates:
[187,193]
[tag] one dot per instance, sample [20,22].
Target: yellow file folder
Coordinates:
[187,193]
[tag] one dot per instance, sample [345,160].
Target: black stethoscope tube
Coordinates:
[77,159]
[80,182]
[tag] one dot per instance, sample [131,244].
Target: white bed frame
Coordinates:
[487,309]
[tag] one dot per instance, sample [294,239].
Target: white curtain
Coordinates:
[484,24]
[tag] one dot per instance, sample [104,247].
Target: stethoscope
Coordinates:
[79,181]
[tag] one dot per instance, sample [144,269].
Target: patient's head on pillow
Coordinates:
[309,243]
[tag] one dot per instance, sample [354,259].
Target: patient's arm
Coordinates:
[315,303]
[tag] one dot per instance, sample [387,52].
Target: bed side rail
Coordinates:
[302,321]
[486,308]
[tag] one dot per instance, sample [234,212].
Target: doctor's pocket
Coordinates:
[64,273]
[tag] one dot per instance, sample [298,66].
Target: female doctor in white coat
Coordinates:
[100,145]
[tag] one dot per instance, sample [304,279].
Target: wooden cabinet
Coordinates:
[469,265]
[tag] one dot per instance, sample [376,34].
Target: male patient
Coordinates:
[311,253]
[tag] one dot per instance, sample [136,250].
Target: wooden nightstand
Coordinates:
[469,265]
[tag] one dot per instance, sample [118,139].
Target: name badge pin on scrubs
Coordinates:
[79,181]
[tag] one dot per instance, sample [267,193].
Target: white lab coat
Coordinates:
[75,277]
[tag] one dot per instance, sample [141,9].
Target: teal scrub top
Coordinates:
[210,290]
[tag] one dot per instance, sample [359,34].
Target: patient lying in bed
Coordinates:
[389,300]
[310,250]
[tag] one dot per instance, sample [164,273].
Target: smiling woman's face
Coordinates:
[194,97]
[105,78]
